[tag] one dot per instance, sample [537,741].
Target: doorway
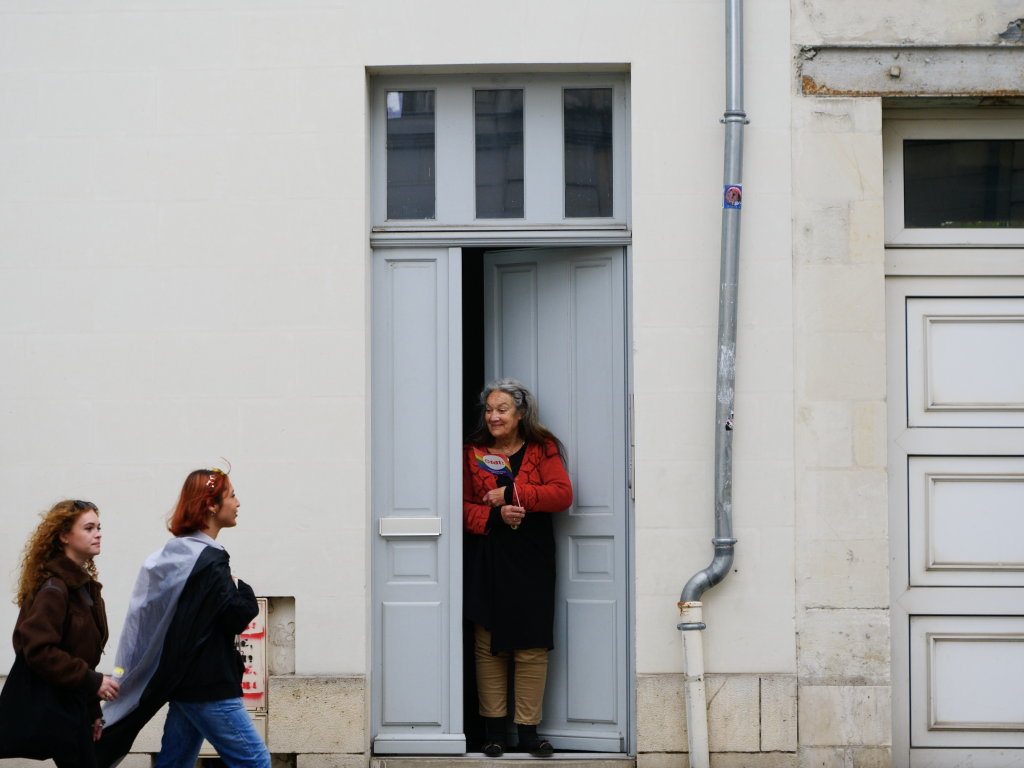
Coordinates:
[445,320]
[555,320]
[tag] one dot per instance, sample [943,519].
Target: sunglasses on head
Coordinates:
[79,504]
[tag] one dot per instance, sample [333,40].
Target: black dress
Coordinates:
[509,576]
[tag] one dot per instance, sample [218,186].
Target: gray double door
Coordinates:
[555,319]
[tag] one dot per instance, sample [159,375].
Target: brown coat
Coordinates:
[61,635]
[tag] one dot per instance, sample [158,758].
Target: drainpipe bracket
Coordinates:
[724,542]
[689,627]
[735,116]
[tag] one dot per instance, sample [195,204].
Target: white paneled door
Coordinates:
[555,319]
[956,474]
[417,501]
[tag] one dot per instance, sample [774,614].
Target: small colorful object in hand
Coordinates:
[498,465]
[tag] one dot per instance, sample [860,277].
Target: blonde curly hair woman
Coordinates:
[50,704]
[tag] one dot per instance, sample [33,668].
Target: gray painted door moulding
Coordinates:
[503,238]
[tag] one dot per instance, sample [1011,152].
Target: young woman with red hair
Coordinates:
[178,643]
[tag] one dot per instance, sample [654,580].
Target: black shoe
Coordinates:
[494,742]
[540,748]
[495,748]
[530,742]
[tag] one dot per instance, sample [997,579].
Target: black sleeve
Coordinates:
[494,518]
[238,604]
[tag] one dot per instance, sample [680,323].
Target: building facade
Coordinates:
[301,236]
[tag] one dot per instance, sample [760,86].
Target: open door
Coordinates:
[555,320]
[417,501]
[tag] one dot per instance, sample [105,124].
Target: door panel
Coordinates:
[956,504]
[555,320]
[967,676]
[417,502]
[956,473]
[965,365]
[591,677]
[412,679]
[516,305]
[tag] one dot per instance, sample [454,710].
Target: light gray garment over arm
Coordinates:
[150,610]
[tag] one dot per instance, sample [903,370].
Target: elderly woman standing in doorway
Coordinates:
[513,478]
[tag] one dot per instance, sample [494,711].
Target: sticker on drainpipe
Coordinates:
[733,197]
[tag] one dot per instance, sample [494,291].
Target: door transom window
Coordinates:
[499,151]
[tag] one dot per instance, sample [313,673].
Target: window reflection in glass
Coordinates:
[588,152]
[953,184]
[499,154]
[410,154]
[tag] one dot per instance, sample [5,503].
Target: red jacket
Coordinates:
[542,483]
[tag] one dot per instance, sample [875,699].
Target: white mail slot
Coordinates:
[392,527]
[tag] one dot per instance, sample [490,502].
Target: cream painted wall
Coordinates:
[183,227]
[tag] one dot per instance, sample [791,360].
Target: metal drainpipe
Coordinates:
[690,607]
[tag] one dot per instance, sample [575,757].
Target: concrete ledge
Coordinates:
[316,714]
[130,761]
[846,757]
[844,715]
[512,760]
[979,70]
[330,761]
[778,713]
[721,760]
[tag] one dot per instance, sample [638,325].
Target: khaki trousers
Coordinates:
[492,680]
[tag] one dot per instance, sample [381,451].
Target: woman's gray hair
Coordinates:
[526,403]
[530,428]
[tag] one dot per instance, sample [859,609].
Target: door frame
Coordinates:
[622,238]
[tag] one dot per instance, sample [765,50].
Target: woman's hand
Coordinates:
[495,498]
[108,689]
[97,729]
[512,515]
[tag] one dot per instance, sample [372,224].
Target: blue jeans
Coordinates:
[225,724]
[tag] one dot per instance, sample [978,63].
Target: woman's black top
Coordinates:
[215,670]
[509,576]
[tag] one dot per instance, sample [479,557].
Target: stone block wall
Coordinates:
[321,719]
[752,720]
[842,582]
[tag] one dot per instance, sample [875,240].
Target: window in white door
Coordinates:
[588,152]
[963,183]
[954,181]
[499,154]
[410,143]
